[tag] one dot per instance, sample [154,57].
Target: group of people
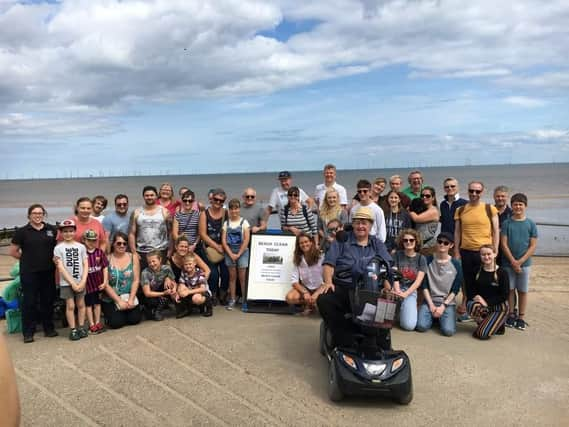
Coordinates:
[181,252]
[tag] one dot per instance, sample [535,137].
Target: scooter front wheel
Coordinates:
[335,393]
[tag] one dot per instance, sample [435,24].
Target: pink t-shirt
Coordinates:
[93,224]
[172,207]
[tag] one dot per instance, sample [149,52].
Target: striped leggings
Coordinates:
[489,319]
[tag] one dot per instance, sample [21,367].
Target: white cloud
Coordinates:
[551,134]
[104,56]
[524,101]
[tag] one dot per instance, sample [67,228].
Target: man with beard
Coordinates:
[119,219]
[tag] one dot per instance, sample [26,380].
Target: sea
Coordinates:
[546,185]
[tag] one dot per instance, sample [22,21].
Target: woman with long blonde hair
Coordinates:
[330,210]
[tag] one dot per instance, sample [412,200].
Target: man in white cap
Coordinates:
[350,256]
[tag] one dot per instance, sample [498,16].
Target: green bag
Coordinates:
[12,290]
[15,271]
[13,321]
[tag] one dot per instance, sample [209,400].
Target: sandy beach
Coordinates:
[265,369]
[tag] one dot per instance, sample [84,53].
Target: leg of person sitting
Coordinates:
[424,318]
[408,313]
[134,316]
[492,322]
[293,297]
[114,318]
[333,306]
[448,321]
[475,310]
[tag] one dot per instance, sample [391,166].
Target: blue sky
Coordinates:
[114,87]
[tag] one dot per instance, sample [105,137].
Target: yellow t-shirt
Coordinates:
[475,226]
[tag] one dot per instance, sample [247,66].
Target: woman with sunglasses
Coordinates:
[412,266]
[427,222]
[211,221]
[120,304]
[397,219]
[187,220]
[330,210]
[297,218]
[440,286]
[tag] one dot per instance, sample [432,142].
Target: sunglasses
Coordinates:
[472,191]
[120,243]
[295,195]
[447,187]
[426,196]
[443,242]
[363,191]
[408,240]
[218,200]
[331,230]
[122,205]
[188,200]
[248,196]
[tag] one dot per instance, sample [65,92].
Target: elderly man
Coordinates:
[330,182]
[415,179]
[450,203]
[476,224]
[353,255]
[501,203]
[395,183]
[119,219]
[279,195]
[252,211]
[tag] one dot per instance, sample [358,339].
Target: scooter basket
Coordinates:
[375,309]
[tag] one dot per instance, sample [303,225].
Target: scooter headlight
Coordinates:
[397,363]
[349,360]
[374,369]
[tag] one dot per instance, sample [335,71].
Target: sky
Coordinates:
[110,87]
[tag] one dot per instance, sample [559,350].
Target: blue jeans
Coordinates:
[447,321]
[408,312]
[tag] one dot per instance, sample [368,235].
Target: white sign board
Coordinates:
[270,266]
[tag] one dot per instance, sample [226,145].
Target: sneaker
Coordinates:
[521,324]
[100,327]
[230,304]
[28,339]
[208,308]
[510,322]
[244,307]
[74,335]
[50,334]
[181,310]
[464,318]
[93,329]
[501,330]
[83,333]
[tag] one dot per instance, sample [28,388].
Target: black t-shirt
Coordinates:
[493,291]
[37,247]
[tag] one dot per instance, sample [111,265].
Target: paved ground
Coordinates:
[265,369]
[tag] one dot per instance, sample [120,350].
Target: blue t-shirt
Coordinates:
[113,222]
[519,234]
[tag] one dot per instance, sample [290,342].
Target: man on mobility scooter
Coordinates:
[358,347]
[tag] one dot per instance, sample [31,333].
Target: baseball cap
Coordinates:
[364,213]
[284,174]
[90,235]
[67,223]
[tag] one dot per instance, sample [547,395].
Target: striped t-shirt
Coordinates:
[188,223]
[298,220]
[97,262]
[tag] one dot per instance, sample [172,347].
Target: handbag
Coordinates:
[125,298]
[213,256]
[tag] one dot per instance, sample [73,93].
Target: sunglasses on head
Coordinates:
[473,191]
[443,242]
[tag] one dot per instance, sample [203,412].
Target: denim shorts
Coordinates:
[519,281]
[242,262]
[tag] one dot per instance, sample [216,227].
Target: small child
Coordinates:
[489,306]
[518,240]
[329,234]
[235,236]
[193,288]
[97,279]
[158,285]
[70,258]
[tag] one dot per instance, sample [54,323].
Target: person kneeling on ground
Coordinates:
[440,286]
[193,289]
[349,258]
[306,275]
[158,286]
[120,304]
[489,306]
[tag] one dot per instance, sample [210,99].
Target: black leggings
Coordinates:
[116,319]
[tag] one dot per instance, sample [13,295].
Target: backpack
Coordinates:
[304,212]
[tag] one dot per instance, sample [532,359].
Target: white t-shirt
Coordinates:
[279,198]
[72,255]
[310,276]
[378,227]
[321,189]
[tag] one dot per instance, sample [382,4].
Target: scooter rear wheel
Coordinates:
[334,392]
